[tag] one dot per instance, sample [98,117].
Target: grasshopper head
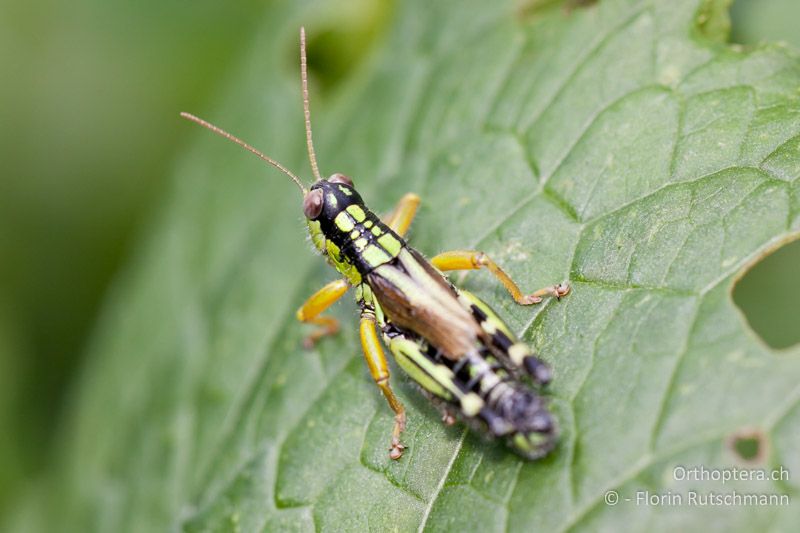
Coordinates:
[327,198]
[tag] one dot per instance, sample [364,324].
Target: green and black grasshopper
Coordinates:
[450,343]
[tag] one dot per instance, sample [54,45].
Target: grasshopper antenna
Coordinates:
[312,158]
[223,133]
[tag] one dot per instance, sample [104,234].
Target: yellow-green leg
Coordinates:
[311,310]
[403,214]
[472,260]
[379,370]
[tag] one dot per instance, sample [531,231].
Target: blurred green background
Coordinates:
[88,106]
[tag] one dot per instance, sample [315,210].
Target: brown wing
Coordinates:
[415,296]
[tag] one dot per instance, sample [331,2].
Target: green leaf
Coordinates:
[621,146]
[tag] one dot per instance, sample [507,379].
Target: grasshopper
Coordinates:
[459,352]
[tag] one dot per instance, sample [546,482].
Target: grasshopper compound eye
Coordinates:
[340,178]
[312,204]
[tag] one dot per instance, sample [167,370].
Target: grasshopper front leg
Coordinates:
[472,260]
[379,370]
[311,310]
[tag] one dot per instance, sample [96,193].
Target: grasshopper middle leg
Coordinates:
[379,370]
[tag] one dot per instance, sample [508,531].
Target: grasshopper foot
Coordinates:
[396,449]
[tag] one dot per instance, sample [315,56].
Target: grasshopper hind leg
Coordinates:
[510,351]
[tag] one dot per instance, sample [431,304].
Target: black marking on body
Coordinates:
[478,313]
[502,341]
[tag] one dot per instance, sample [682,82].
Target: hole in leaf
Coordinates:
[769,296]
[712,20]
[748,444]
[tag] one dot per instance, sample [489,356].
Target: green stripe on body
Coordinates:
[436,379]
[357,213]
[344,222]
